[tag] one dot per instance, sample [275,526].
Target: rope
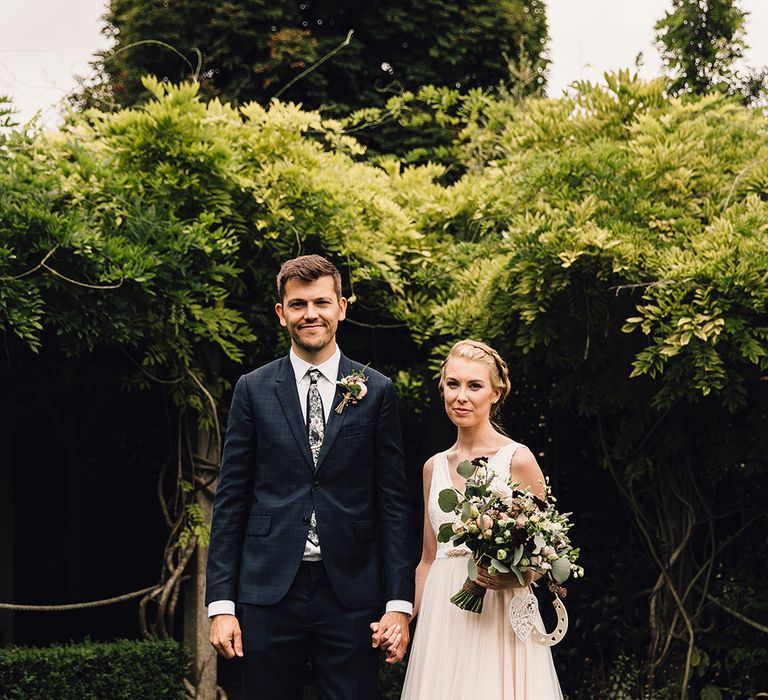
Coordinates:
[77,606]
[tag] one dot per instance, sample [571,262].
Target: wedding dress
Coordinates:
[460,655]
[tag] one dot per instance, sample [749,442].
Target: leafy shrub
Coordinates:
[122,670]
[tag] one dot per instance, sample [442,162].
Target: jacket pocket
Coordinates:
[258,525]
[365,529]
[348,431]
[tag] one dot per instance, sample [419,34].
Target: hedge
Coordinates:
[121,670]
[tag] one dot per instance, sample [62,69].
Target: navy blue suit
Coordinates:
[267,490]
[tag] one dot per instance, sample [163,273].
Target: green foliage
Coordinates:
[31,225]
[700,41]
[163,226]
[391,678]
[652,207]
[448,500]
[613,245]
[195,526]
[122,670]
[250,50]
[6,113]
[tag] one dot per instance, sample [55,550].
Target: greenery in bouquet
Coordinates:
[506,529]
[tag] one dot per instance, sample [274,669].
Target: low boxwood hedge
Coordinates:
[121,670]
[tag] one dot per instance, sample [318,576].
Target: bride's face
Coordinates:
[468,392]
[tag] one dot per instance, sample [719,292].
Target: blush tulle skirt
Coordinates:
[458,655]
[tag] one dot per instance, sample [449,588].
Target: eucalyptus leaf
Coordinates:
[503,568]
[448,500]
[539,541]
[517,573]
[472,569]
[444,532]
[561,569]
[466,511]
[466,469]
[517,555]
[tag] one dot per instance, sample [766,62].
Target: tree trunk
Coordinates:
[196,630]
[195,613]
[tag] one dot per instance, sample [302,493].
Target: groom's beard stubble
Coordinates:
[313,344]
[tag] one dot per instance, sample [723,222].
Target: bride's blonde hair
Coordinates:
[475,350]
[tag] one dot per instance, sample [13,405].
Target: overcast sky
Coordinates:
[45,43]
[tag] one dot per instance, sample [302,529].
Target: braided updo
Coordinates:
[475,350]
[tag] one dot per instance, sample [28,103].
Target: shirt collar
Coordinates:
[329,369]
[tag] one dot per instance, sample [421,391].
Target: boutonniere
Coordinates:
[354,388]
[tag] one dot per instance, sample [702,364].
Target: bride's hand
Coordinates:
[501,582]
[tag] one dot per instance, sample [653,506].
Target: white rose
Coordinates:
[500,488]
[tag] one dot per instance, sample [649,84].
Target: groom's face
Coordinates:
[310,312]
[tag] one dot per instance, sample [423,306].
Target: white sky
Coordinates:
[45,43]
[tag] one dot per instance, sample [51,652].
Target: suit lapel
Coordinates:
[288,395]
[334,423]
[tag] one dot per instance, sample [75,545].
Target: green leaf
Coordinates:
[472,569]
[466,511]
[518,553]
[466,469]
[518,573]
[711,692]
[448,500]
[561,569]
[503,568]
[444,532]
[695,656]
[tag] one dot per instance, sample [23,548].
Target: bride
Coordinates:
[459,654]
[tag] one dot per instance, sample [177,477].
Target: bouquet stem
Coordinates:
[470,597]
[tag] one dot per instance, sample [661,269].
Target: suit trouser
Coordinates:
[308,625]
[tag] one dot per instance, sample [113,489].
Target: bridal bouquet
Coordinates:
[507,530]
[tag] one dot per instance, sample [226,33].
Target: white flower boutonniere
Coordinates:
[354,389]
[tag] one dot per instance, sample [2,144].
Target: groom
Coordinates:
[311,523]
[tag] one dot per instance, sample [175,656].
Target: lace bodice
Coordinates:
[441,479]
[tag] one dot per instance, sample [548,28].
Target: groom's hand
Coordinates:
[225,636]
[392,634]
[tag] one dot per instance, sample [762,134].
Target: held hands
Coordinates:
[225,636]
[391,633]
[501,582]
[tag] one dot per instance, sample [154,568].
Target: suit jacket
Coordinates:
[268,487]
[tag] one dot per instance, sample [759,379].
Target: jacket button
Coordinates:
[305,520]
[316,485]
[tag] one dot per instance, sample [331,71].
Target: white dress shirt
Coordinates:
[326,384]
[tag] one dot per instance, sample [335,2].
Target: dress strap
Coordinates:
[500,462]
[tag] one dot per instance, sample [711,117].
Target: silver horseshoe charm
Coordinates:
[523,610]
[549,639]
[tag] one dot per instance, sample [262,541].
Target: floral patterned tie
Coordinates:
[315,432]
[315,417]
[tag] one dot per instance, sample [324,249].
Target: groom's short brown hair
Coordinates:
[307,268]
